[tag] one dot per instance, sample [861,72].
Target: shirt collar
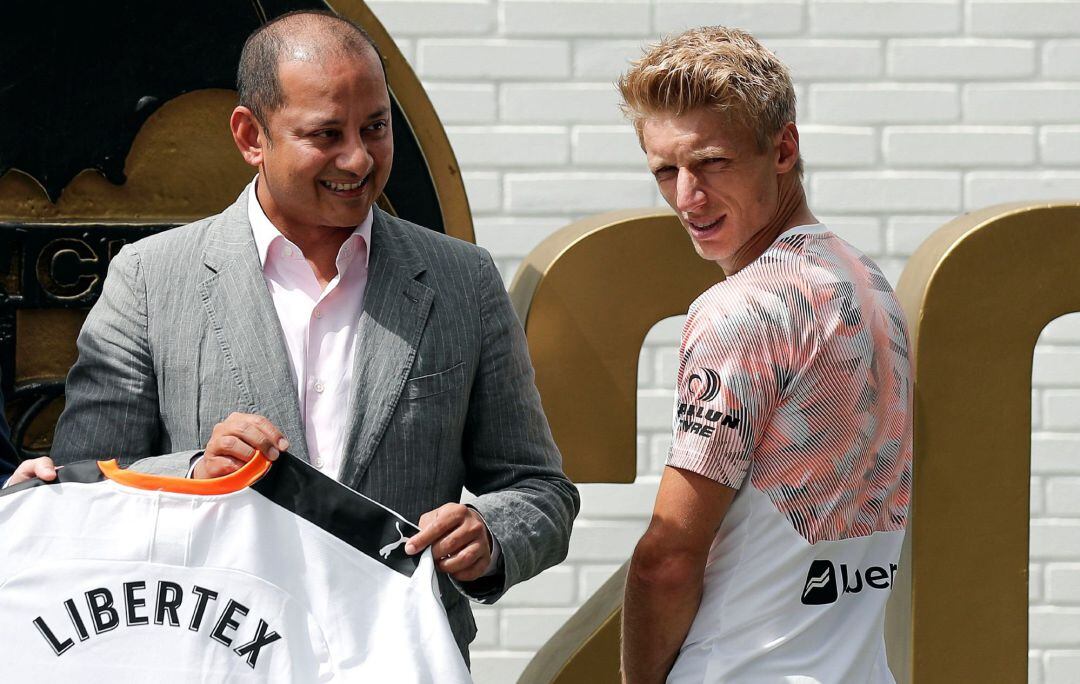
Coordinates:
[805,229]
[266,233]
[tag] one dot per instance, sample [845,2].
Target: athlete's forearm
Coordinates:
[661,601]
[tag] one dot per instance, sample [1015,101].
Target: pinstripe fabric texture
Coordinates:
[443,394]
[795,372]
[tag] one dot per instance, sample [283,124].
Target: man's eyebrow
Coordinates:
[331,122]
[709,153]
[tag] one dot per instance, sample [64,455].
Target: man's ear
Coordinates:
[248,135]
[787,148]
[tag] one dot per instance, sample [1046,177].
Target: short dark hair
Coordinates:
[257,76]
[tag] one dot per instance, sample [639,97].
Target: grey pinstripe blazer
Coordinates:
[185,332]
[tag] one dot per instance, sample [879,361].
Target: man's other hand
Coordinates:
[234,441]
[41,468]
[458,538]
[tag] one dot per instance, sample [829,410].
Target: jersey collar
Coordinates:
[247,475]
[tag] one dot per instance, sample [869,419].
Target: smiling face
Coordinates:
[325,155]
[712,173]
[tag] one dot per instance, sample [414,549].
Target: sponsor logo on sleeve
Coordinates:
[704,386]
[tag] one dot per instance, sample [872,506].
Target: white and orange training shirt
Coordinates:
[275,573]
[794,388]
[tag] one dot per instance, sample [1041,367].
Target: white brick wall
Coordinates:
[952,146]
[993,187]
[1023,17]
[574,192]
[564,103]
[964,58]
[575,17]
[771,17]
[1061,58]
[843,59]
[1060,145]
[1022,103]
[435,17]
[884,17]
[493,59]
[618,145]
[464,103]
[826,146]
[878,103]
[488,145]
[910,111]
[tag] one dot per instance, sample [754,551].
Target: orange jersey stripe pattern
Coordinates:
[796,372]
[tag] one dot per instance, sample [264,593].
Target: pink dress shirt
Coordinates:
[320,333]
[319,326]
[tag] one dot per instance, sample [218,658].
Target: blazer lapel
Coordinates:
[243,318]
[396,307]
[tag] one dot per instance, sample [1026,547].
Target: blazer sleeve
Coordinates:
[512,461]
[111,402]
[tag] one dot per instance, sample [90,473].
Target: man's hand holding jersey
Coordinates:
[459,537]
[41,468]
[235,440]
[457,534]
[460,541]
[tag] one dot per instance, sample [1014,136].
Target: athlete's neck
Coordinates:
[791,211]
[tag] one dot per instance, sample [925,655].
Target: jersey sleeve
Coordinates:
[729,385]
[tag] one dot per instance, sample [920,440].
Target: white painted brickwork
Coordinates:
[910,112]
[1061,58]
[961,59]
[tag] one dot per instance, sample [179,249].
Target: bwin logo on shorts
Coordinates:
[820,585]
[704,385]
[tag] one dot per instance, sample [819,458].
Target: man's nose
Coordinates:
[688,192]
[355,158]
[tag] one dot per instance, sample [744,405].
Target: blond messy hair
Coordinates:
[715,67]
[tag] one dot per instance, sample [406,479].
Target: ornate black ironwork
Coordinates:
[32,398]
[49,266]
[78,79]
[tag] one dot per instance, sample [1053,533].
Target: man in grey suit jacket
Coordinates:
[183,359]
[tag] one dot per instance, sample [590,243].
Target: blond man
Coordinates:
[777,528]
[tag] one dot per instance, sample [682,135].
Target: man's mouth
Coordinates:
[350,188]
[703,225]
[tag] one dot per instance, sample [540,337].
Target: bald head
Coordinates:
[306,36]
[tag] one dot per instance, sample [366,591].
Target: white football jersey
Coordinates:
[273,573]
[795,390]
